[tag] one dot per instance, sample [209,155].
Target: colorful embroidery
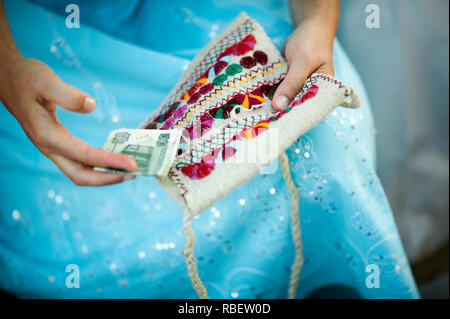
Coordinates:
[223,103]
[212,55]
[218,75]
[249,81]
[224,100]
[226,151]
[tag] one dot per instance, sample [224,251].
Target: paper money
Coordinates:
[153,150]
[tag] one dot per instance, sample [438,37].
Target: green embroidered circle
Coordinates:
[233,69]
[161,119]
[218,80]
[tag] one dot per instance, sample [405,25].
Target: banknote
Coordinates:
[153,150]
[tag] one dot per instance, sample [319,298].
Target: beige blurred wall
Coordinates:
[404,65]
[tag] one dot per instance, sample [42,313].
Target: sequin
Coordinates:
[142,254]
[59,199]
[65,216]
[16,214]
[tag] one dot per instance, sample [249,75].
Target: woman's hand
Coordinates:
[309,48]
[31,91]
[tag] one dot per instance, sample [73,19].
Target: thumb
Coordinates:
[69,97]
[297,74]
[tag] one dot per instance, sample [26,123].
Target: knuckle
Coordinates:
[300,57]
[307,59]
[77,180]
[40,84]
[40,140]
[107,158]
[86,154]
[79,100]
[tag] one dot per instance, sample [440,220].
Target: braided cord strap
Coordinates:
[295,230]
[295,226]
[189,256]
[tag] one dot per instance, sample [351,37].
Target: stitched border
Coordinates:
[331,79]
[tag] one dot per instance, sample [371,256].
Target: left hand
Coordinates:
[308,49]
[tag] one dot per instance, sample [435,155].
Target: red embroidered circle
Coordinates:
[248,62]
[260,57]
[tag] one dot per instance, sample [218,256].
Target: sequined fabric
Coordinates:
[126,239]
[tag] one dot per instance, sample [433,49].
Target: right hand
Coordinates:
[30,91]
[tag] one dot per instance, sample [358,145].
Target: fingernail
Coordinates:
[129,177]
[282,102]
[89,104]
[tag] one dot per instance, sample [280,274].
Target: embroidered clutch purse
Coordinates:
[223,105]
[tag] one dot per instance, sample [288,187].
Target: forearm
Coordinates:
[325,12]
[7,44]
[310,46]
[9,53]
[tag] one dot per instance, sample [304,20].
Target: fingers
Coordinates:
[297,74]
[65,144]
[67,96]
[72,155]
[85,176]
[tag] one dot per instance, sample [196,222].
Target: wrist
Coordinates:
[322,26]
[320,15]
[9,58]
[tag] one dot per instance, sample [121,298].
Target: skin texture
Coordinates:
[31,92]
[309,48]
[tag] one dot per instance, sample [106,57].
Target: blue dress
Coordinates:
[126,240]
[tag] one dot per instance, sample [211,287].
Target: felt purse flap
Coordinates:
[223,105]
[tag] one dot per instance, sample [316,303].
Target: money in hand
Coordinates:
[153,150]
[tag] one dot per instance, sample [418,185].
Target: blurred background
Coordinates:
[405,66]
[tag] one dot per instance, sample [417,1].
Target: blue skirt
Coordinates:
[126,240]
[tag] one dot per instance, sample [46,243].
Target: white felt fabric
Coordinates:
[196,195]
